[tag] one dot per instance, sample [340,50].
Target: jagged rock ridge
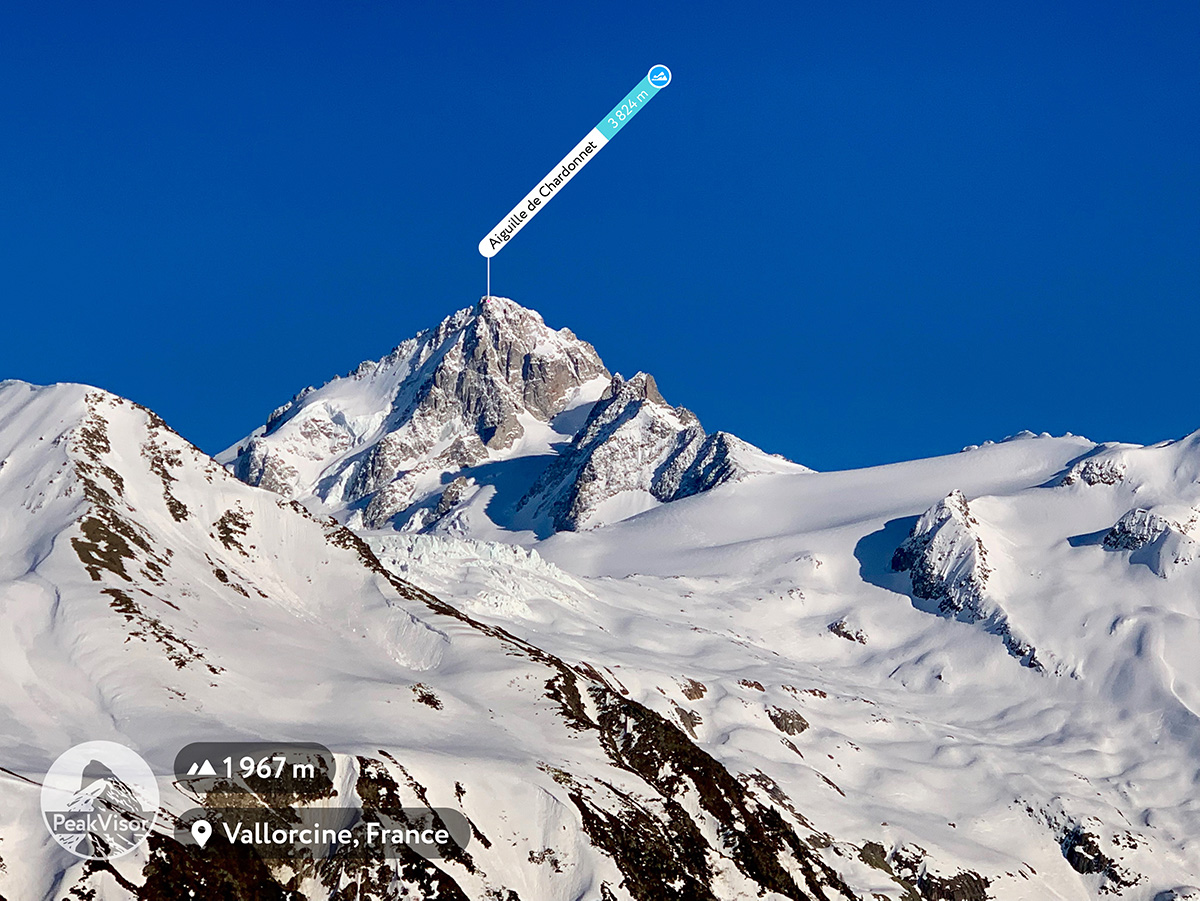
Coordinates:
[426,438]
[635,444]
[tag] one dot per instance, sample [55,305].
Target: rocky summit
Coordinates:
[492,420]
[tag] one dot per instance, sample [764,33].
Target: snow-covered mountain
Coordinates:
[151,598]
[490,421]
[644,661]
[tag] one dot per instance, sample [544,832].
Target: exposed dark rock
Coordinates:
[1082,851]
[222,871]
[842,629]
[964,886]
[148,627]
[368,870]
[424,695]
[162,459]
[650,853]
[788,721]
[908,865]
[688,719]
[231,528]
[875,855]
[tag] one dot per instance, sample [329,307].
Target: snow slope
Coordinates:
[765,617]
[152,599]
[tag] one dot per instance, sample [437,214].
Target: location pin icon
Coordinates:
[202,832]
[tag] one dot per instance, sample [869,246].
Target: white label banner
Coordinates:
[581,154]
[532,203]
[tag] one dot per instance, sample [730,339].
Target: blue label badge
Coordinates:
[660,76]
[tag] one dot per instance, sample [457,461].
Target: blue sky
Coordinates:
[848,232]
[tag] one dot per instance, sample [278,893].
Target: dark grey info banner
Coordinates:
[324,833]
[290,772]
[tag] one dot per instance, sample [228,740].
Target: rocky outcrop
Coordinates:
[635,449]
[911,868]
[1163,538]
[1095,471]
[1135,530]
[946,559]
[1082,851]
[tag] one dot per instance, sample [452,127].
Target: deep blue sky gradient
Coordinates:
[848,232]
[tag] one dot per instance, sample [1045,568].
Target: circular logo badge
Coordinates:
[99,800]
[660,76]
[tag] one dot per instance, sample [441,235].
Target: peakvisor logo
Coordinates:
[99,800]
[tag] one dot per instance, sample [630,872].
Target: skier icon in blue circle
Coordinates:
[660,76]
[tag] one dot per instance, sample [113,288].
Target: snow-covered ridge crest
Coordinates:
[430,438]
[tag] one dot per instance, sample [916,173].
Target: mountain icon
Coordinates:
[102,791]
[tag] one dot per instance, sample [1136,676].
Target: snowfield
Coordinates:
[644,660]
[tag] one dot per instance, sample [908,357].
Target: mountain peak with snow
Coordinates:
[978,669]
[491,420]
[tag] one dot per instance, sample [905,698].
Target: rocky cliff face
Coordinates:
[418,440]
